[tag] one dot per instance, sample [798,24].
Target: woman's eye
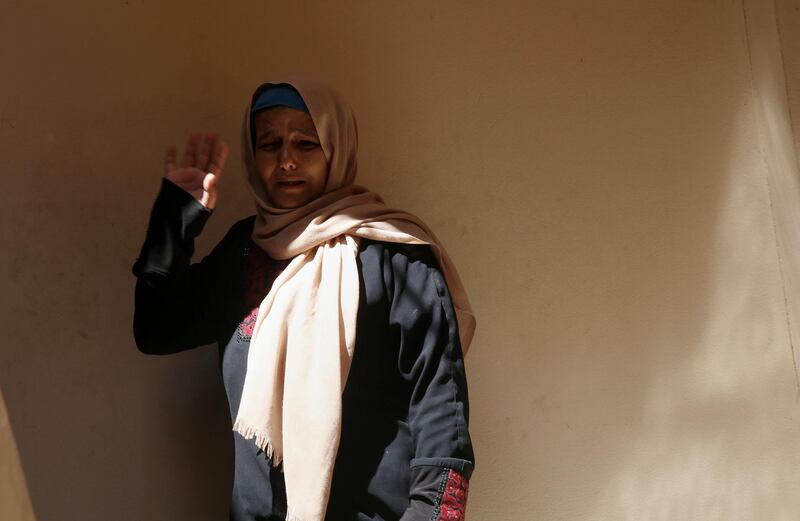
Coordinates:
[308,144]
[269,145]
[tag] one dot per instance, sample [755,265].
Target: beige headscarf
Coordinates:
[303,339]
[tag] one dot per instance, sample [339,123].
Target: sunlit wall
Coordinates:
[612,179]
[15,505]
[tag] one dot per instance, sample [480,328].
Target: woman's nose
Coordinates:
[287,161]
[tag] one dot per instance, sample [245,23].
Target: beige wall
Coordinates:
[612,179]
[788,18]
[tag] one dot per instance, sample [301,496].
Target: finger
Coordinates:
[210,183]
[204,152]
[218,159]
[209,199]
[191,149]
[169,159]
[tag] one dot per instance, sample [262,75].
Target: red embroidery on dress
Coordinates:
[261,272]
[454,498]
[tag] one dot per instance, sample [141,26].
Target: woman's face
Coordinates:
[289,158]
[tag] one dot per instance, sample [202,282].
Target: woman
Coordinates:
[341,323]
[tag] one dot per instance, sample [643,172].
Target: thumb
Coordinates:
[210,182]
[209,199]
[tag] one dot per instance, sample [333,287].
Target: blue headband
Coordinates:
[280,95]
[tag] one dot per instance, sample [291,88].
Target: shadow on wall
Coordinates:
[594,172]
[640,339]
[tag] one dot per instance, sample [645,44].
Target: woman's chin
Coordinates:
[292,196]
[289,201]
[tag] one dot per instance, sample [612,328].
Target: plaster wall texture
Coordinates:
[612,179]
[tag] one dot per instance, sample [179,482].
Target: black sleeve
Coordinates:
[432,361]
[177,304]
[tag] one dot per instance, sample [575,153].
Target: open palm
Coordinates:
[202,163]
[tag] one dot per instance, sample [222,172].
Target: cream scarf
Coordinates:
[304,335]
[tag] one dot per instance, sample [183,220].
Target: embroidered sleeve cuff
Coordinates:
[437,494]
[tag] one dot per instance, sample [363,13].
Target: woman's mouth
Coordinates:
[290,183]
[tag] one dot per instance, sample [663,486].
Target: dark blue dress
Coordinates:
[405,451]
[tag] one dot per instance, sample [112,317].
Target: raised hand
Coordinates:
[202,163]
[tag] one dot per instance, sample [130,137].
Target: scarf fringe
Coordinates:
[290,516]
[262,441]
